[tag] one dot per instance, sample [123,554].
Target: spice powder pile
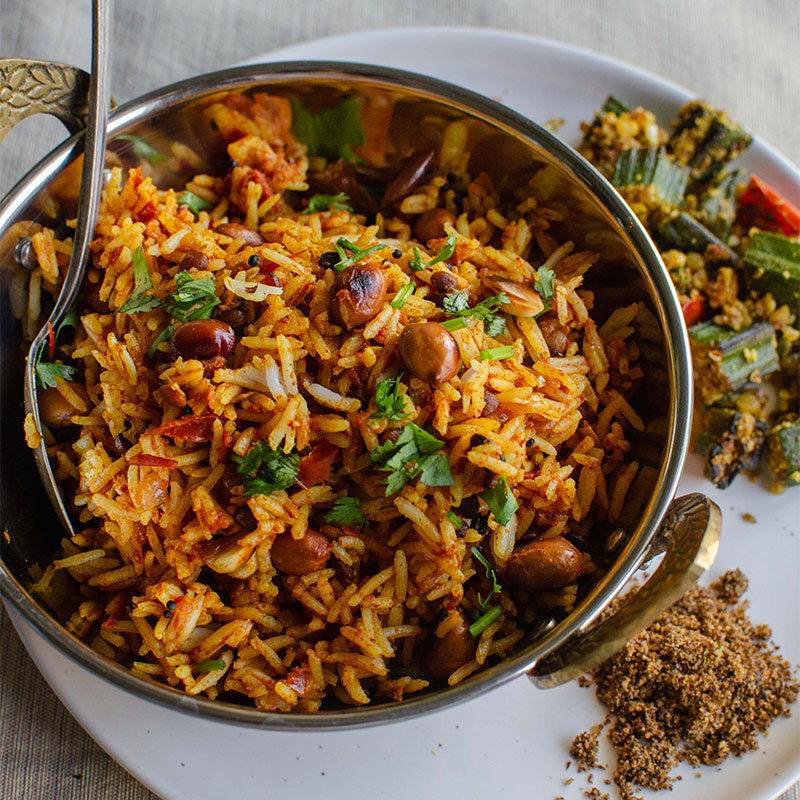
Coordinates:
[698,685]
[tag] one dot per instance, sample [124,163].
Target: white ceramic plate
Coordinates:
[513,742]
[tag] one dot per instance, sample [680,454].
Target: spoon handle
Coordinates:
[88,206]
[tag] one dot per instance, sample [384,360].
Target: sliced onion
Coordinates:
[250,290]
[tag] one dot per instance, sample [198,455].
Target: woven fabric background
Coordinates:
[739,54]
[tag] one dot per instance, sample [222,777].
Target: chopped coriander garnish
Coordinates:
[346,511]
[405,291]
[344,246]
[139,301]
[209,666]
[194,203]
[390,403]
[501,501]
[484,621]
[545,285]
[497,353]
[454,518]
[457,303]
[141,149]
[414,453]
[192,299]
[331,133]
[266,471]
[446,251]
[490,574]
[325,202]
[47,372]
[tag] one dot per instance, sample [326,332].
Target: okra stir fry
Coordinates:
[730,243]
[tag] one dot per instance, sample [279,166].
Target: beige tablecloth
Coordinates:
[739,54]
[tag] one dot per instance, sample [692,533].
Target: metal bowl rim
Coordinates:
[676,343]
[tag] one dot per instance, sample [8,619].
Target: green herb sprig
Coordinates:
[501,501]
[457,304]
[194,203]
[388,400]
[266,470]
[415,453]
[545,285]
[346,511]
[405,291]
[325,202]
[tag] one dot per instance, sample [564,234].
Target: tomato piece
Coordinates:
[193,428]
[146,460]
[316,466]
[147,212]
[693,309]
[765,208]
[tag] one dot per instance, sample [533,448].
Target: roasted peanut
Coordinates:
[203,339]
[409,177]
[300,556]
[431,224]
[236,230]
[450,652]
[56,411]
[358,295]
[429,352]
[544,565]
[194,259]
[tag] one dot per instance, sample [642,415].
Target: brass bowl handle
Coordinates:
[29,86]
[691,528]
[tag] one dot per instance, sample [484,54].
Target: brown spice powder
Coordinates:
[697,686]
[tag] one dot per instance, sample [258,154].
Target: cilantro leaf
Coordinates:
[344,246]
[346,511]
[390,403]
[194,203]
[266,470]
[331,133]
[545,285]
[325,202]
[141,149]
[47,372]
[436,471]
[455,302]
[501,501]
[139,301]
[194,298]
[494,325]
[414,453]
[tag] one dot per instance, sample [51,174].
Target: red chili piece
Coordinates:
[316,466]
[199,428]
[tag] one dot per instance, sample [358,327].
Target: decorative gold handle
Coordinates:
[30,87]
[691,527]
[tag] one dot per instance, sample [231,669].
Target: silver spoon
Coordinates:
[88,206]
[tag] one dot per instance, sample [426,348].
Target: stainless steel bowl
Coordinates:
[503,143]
